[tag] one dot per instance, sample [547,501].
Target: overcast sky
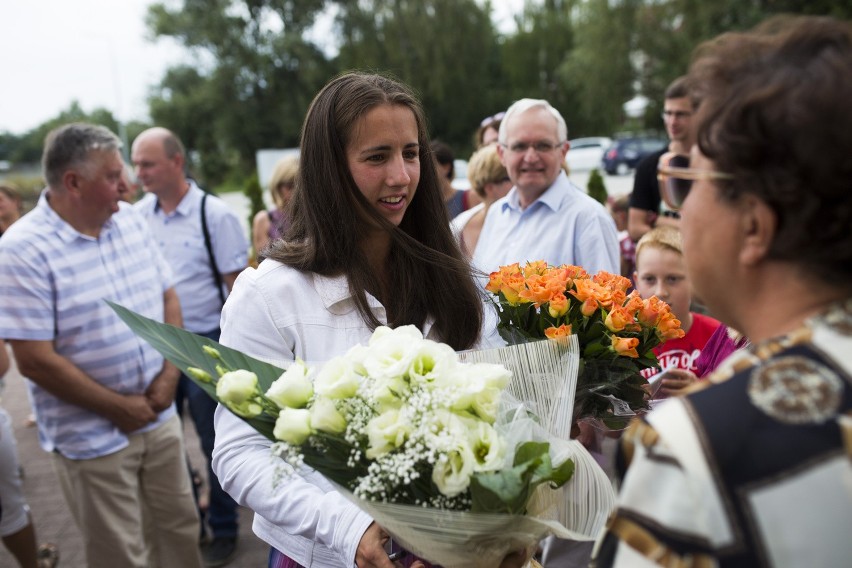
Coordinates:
[55,51]
[94,51]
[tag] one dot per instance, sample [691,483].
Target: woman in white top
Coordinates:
[490,180]
[366,246]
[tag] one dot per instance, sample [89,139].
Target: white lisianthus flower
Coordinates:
[477,389]
[326,418]
[406,332]
[453,469]
[293,388]
[390,351]
[337,379]
[486,404]
[293,426]
[356,355]
[488,447]
[238,391]
[386,432]
[389,392]
[446,429]
[431,363]
[492,375]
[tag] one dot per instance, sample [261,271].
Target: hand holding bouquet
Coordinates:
[616,331]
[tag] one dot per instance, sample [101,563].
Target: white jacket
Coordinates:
[276,313]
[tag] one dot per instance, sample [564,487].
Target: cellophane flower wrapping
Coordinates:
[616,331]
[461,457]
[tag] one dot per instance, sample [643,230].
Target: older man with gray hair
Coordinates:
[544,216]
[103,397]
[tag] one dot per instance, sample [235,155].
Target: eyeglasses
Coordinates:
[539,147]
[675,114]
[488,120]
[675,178]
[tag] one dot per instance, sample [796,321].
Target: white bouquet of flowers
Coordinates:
[462,458]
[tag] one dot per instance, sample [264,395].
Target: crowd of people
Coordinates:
[740,225]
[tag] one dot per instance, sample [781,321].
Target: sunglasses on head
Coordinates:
[675,178]
[491,119]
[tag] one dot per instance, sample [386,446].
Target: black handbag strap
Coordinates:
[216,275]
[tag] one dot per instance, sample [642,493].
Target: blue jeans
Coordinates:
[222,511]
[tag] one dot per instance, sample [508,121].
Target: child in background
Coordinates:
[618,208]
[660,271]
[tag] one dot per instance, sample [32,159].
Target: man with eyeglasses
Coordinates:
[544,216]
[647,210]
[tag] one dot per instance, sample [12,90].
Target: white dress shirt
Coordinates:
[563,226]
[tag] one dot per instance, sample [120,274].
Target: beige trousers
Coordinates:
[110,495]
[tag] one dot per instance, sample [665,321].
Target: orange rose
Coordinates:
[495,282]
[535,268]
[650,312]
[538,290]
[625,346]
[669,327]
[633,302]
[585,289]
[612,281]
[575,272]
[618,318]
[557,332]
[558,278]
[558,305]
[589,307]
[512,287]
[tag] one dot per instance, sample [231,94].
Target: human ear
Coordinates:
[72,181]
[759,226]
[500,151]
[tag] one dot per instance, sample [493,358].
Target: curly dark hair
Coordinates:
[429,276]
[775,114]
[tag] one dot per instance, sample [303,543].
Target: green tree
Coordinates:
[253,76]
[599,68]
[532,57]
[596,187]
[445,49]
[28,147]
[667,32]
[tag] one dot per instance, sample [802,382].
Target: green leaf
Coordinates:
[529,452]
[185,349]
[509,490]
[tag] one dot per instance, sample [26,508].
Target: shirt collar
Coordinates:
[63,229]
[551,198]
[187,203]
[336,296]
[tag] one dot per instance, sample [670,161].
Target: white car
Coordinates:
[586,153]
[460,180]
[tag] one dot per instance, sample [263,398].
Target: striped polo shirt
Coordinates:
[53,283]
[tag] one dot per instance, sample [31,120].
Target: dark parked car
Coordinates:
[625,153]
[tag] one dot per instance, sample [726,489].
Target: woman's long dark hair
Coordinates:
[428,275]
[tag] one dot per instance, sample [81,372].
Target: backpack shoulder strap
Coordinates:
[217,276]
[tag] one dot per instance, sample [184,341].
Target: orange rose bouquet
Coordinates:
[617,331]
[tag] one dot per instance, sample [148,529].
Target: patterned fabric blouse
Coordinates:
[755,470]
